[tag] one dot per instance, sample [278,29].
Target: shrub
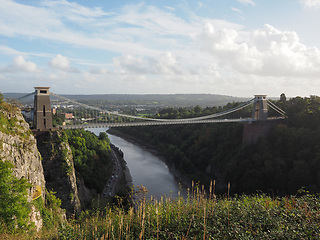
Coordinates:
[50,210]
[14,208]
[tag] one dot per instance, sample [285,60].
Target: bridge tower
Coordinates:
[260,107]
[42,119]
[254,130]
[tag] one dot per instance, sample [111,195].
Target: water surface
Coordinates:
[146,169]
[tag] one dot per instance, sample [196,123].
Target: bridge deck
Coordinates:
[154,123]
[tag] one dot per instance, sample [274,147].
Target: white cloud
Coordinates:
[27,20]
[199,6]
[62,63]
[170,8]
[98,71]
[164,64]
[236,10]
[266,52]
[134,29]
[21,65]
[129,63]
[9,51]
[73,7]
[247,2]
[310,3]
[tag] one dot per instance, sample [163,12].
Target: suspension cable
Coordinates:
[276,110]
[156,119]
[25,96]
[279,110]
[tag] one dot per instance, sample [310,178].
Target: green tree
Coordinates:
[283,97]
[92,156]
[57,119]
[103,137]
[14,207]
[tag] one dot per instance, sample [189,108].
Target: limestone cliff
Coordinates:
[18,146]
[59,169]
[45,161]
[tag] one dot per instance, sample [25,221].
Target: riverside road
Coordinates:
[111,186]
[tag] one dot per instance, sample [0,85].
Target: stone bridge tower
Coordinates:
[260,107]
[42,119]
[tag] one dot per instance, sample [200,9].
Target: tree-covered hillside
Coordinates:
[91,156]
[281,163]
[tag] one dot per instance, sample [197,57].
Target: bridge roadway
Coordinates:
[155,123]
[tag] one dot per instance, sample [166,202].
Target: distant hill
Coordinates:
[171,100]
[13,95]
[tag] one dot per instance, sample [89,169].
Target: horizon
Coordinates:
[232,48]
[143,94]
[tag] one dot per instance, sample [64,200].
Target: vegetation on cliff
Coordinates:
[91,156]
[51,213]
[9,123]
[20,165]
[14,207]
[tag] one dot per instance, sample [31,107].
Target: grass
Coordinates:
[201,216]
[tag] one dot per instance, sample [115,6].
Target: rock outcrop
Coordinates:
[85,194]
[18,145]
[59,169]
[46,161]
[20,148]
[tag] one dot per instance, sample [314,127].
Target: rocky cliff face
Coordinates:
[59,169]
[18,146]
[46,162]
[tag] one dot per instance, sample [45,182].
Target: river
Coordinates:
[146,169]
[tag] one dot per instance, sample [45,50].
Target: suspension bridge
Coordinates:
[81,115]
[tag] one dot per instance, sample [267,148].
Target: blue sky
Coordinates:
[230,47]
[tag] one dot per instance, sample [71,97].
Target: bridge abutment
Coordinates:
[253,131]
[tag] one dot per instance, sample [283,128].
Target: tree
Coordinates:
[283,98]
[14,207]
[103,136]
[197,109]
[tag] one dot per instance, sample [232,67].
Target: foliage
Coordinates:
[202,216]
[65,162]
[9,123]
[14,208]
[57,120]
[91,156]
[50,210]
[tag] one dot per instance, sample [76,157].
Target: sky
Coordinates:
[228,47]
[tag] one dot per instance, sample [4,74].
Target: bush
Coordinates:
[14,208]
[50,210]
